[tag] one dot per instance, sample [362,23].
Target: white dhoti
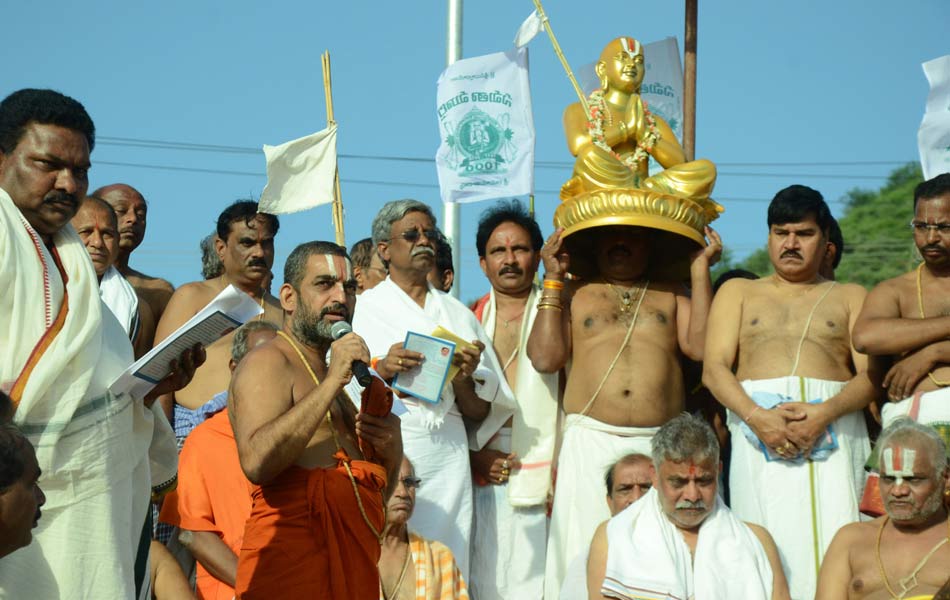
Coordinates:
[802,504]
[433,435]
[933,409]
[508,542]
[61,350]
[588,449]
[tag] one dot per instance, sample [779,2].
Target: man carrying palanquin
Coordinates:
[61,351]
[908,317]
[511,526]
[624,336]
[98,228]
[317,508]
[410,566]
[132,211]
[245,245]
[904,554]
[434,435]
[680,540]
[617,134]
[795,399]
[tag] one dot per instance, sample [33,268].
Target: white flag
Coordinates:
[531,27]
[933,138]
[300,173]
[487,149]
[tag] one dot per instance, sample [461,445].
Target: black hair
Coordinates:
[504,211]
[46,107]
[11,446]
[796,203]
[362,253]
[443,255]
[246,211]
[732,274]
[932,188]
[296,264]
[837,238]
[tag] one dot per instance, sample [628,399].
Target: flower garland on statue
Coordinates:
[597,108]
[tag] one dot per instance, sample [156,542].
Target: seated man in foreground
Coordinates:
[905,551]
[317,508]
[410,566]
[680,538]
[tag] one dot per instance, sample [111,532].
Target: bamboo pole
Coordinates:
[337,197]
[557,50]
[689,82]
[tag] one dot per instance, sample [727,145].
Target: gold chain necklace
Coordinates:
[336,440]
[920,305]
[402,575]
[626,297]
[912,578]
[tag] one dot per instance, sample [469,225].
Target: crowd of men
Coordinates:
[261,467]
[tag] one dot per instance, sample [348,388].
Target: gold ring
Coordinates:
[399,362]
[504,464]
[504,472]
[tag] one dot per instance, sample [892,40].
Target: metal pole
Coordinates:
[451,213]
[689,83]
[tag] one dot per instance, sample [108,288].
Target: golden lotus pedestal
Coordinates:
[676,227]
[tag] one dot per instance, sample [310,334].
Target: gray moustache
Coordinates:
[423,250]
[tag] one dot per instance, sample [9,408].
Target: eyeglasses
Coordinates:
[942,229]
[411,482]
[412,235]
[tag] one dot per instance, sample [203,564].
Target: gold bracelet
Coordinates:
[553,284]
[751,412]
[556,304]
[550,307]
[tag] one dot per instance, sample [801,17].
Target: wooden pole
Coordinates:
[689,82]
[557,50]
[337,197]
[451,211]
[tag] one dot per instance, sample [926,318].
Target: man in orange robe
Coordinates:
[317,514]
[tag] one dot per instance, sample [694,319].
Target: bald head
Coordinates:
[97,226]
[621,65]
[131,209]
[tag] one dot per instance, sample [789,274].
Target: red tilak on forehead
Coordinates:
[898,458]
[692,470]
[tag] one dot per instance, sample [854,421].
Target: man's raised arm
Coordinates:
[549,344]
[692,312]
[880,329]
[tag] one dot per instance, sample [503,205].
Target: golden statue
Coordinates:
[613,139]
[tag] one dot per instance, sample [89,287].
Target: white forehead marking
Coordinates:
[330,264]
[625,43]
[899,464]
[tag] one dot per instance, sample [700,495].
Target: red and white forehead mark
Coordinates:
[898,462]
[339,267]
[630,46]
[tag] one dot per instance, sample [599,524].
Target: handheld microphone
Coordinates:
[360,370]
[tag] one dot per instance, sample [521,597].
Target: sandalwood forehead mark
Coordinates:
[898,462]
[339,267]
[630,46]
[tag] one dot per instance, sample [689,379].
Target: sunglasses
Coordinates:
[412,235]
[411,482]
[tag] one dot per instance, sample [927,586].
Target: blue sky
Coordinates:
[787,92]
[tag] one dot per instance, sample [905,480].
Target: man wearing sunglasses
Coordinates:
[434,435]
[908,317]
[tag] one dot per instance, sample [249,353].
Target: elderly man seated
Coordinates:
[410,566]
[903,554]
[680,540]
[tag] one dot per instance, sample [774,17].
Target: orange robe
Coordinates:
[306,537]
[213,495]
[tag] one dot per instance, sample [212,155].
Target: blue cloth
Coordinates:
[187,419]
[824,445]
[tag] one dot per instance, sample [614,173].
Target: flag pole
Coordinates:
[337,197]
[689,83]
[557,50]
[450,210]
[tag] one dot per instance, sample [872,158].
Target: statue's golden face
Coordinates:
[621,64]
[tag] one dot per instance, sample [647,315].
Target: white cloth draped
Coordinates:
[588,449]
[509,541]
[534,427]
[90,444]
[647,557]
[934,408]
[434,437]
[119,295]
[801,504]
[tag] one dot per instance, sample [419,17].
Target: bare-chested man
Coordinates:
[131,209]
[98,228]
[308,536]
[625,336]
[245,245]
[908,317]
[905,553]
[511,515]
[787,339]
